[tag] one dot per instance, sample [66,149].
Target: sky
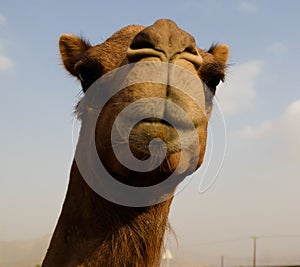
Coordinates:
[257,191]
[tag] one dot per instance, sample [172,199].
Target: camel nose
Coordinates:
[163,37]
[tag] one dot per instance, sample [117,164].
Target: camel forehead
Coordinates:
[161,25]
[113,50]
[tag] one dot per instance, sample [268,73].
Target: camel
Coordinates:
[93,230]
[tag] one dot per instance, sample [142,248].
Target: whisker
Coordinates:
[168,164]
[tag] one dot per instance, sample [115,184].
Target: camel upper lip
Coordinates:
[167,122]
[152,119]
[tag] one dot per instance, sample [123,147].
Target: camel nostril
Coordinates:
[191,50]
[140,44]
[191,54]
[143,46]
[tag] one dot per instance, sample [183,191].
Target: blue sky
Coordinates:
[258,189]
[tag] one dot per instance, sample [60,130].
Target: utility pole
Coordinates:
[222,261]
[254,250]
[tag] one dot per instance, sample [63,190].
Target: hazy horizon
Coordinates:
[257,191]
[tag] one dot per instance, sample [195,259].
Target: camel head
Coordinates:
[167,105]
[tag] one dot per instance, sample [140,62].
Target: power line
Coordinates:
[240,239]
[216,242]
[279,236]
[255,238]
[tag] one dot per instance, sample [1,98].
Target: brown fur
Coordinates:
[91,230]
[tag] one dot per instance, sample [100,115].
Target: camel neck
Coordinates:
[92,231]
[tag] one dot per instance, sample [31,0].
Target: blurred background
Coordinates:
[216,216]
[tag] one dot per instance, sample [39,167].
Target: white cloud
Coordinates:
[3,20]
[238,92]
[5,63]
[247,7]
[281,137]
[256,133]
[278,48]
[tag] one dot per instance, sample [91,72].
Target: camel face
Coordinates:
[174,111]
[148,98]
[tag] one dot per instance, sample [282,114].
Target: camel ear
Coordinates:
[71,48]
[221,52]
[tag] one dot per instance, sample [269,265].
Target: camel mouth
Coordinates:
[179,124]
[150,129]
[155,120]
[160,134]
[152,138]
[176,133]
[154,148]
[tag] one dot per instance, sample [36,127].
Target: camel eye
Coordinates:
[89,71]
[87,78]
[213,83]
[86,75]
